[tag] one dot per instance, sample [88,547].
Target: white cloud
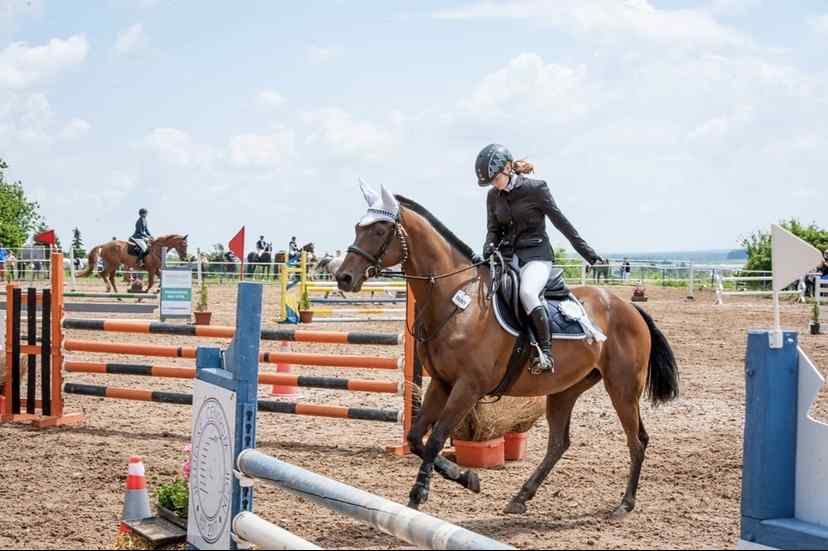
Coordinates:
[257,150]
[528,84]
[131,40]
[22,66]
[75,129]
[819,23]
[176,147]
[270,99]
[346,138]
[318,55]
[601,17]
[27,122]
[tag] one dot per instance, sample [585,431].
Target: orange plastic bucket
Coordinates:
[480,455]
[514,446]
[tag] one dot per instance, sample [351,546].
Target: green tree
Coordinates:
[758,244]
[18,216]
[78,248]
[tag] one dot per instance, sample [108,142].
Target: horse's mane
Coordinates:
[438,226]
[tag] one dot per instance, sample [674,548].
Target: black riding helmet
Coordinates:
[490,162]
[142,212]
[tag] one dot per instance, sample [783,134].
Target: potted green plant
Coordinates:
[202,315]
[172,500]
[815,325]
[305,312]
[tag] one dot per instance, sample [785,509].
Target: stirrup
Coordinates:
[541,363]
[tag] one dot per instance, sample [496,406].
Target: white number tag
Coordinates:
[461,299]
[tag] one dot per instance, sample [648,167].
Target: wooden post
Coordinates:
[412,376]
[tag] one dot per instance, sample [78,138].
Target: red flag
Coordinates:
[46,237]
[237,247]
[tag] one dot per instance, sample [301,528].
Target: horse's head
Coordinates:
[378,243]
[177,242]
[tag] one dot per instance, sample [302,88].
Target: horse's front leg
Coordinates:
[462,399]
[433,405]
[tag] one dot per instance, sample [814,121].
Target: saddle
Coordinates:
[133,249]
[568,319]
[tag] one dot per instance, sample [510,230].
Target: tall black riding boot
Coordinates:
[543,362]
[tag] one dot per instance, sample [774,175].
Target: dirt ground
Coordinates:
[64,488]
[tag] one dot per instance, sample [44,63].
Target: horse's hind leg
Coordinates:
[625,398]
[558,416]
[433,405]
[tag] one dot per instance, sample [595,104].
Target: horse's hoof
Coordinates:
[515,508]
[417,496]
[621,511]
[471,481]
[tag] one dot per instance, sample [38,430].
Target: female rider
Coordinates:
[517,208]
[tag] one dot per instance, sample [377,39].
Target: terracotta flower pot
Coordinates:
[480,455]
[514,446]
[306,316]
[203,318]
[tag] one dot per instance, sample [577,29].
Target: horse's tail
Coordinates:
[663,376]
[92,261]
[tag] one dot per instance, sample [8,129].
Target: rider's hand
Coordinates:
[488,250]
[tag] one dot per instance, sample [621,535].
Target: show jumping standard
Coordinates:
[466,351]
[116,253]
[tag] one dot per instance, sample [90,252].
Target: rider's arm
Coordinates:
[493,232]
[550,208]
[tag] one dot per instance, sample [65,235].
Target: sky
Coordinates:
[659,125]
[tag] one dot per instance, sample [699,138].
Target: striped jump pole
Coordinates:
[283,379]
[290,408]
[365,319]
[329,311]
[119,296]
[219,331]
[355,301]
[295,358]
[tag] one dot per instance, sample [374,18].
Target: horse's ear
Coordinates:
[186,236]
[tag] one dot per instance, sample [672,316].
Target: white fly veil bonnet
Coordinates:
[382,207]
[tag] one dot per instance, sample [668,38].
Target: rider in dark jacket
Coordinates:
[823,269]
[142,236]
[517,208]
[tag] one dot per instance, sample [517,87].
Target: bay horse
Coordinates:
[255,261]
[467,352]
[116,253]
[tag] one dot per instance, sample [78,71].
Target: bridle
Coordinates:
[375,261]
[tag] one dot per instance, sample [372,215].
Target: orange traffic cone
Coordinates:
[284,390]
[136,503]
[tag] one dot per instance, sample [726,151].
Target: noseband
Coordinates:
[375,262]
